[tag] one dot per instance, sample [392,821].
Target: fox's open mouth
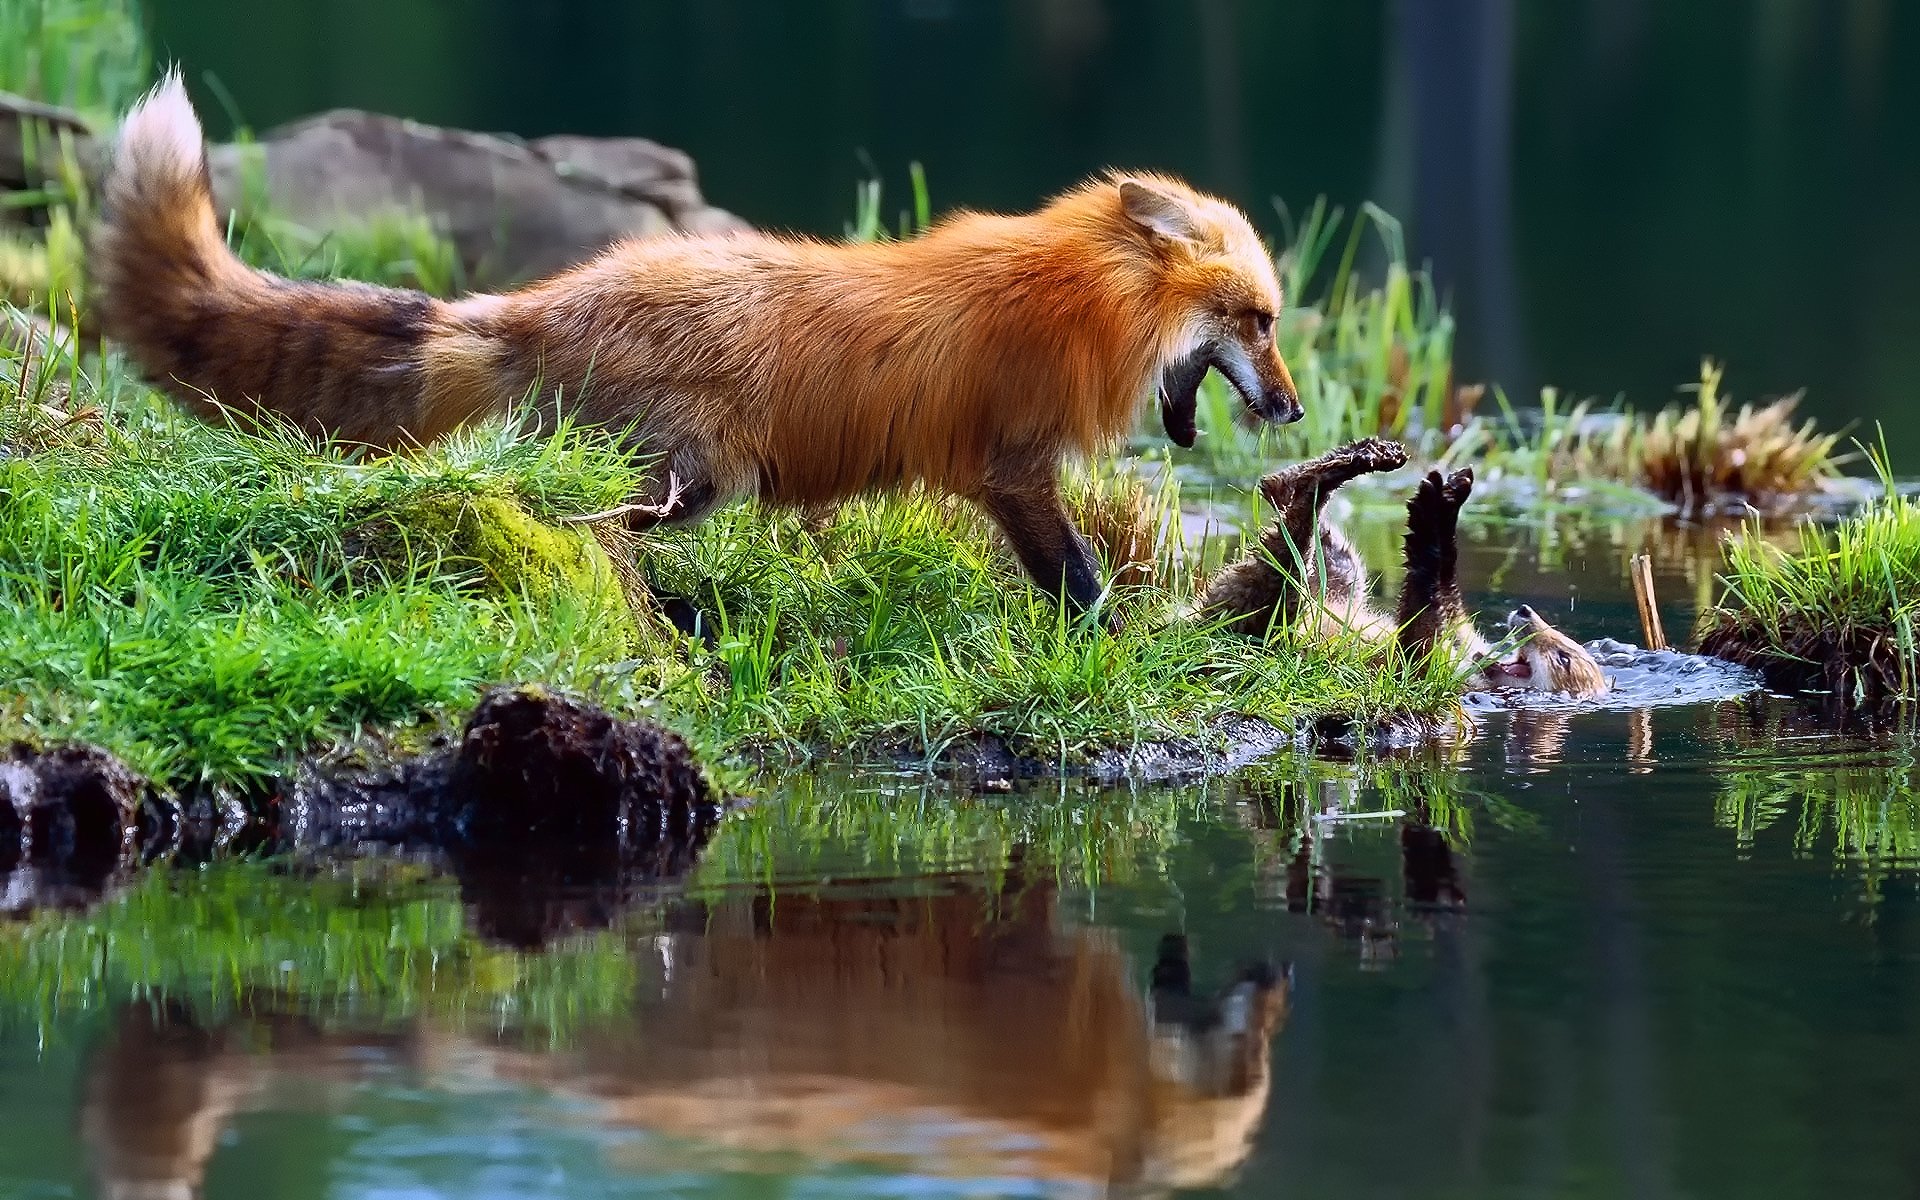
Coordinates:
[1180,396]
[1515,668]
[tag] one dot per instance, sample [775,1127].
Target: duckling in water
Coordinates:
[1305,568]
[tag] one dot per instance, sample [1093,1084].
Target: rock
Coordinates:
[536,767]
[68,818]
[514,210]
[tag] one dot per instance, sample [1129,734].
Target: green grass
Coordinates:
[190,596]
[200,600]
[87,55]
[1836,612]
[903,621]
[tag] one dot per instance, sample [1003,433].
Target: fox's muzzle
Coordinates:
[1269,395]
[1264,383]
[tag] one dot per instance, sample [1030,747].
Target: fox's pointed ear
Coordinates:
[1158,211]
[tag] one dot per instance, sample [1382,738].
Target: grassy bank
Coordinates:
[209,603]
[1837,612]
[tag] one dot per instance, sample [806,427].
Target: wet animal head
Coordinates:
[1547,660]
[1218,299]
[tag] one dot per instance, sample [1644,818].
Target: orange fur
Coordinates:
[972,359]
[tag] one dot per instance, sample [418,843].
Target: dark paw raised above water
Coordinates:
[1330,470]
[1373,454]
[1440,493]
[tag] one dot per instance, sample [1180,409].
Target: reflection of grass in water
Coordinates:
[1861,804]
[1869,815]
[886,824]
[373,940]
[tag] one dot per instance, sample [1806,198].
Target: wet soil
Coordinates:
[535,786]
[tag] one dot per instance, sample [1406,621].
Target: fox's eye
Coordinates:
[1262,323]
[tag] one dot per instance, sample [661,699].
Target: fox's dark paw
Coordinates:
[1459,486]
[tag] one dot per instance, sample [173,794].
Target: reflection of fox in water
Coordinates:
[966,1033]
[1306,568]
[973,359]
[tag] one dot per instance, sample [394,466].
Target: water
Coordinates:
[1668,973]
[1608,188]
[1653,952]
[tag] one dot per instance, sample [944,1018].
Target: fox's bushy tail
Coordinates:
[363,363]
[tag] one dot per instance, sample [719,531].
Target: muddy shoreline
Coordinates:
[537,787]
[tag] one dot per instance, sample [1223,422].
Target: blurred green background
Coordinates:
[1608,188]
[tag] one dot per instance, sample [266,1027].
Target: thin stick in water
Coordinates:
[1640,567]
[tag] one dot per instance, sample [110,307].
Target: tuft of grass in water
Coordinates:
[1701,456]
[1835,613]
[1696,455]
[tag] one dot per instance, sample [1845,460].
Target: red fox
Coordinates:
[973,359]
[1307,566]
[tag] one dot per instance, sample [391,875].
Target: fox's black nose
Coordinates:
[1283,406]
[1524,612]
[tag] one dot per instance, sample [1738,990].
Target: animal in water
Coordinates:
[972,360]
[1304,570]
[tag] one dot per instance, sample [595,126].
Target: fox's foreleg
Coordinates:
[1026,503]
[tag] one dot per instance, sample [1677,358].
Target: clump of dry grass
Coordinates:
[1702,457]
[1134,528]
[37,377]
[1697,458]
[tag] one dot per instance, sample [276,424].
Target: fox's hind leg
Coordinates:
[683,492]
